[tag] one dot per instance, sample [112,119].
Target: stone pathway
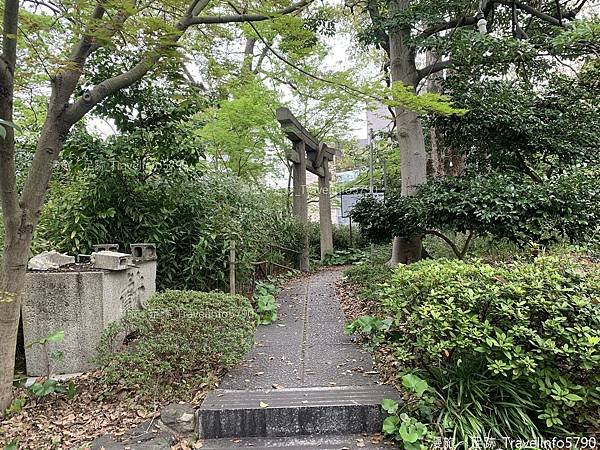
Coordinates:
[304,385]
[307,345]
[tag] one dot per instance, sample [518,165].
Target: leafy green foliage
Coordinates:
[15,407]
[368,277]
[344,257]
[190,218]
[266,303]
[12,446]
[498,205]
[47,386]
[238,129]
[50,386]
[178,343]
[519,127]
[403,96]
[372,328]
[528,332]
[404,428]
[57,336]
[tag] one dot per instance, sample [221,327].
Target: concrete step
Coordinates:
[293,411]
[344,442]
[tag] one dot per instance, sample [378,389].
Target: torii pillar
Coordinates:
[309,154]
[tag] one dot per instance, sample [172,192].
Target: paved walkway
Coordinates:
[306,347]
[304,386]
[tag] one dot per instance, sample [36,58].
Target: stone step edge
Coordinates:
[323,442]
[225,399]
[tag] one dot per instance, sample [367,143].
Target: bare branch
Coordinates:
[433,68]
[467,245]
[82,49]
[248,54]
[472,20]
[263,55]
[531,10]
[240,18]
[90,99]
[455,23]
[447,240]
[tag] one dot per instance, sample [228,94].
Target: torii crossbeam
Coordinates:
[308,153]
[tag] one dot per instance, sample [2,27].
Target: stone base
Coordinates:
[82,304]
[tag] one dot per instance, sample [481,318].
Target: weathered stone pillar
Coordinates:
[325,211]
[301,199]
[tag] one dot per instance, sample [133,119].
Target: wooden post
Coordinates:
[325,211]
[232,267]
[301,199]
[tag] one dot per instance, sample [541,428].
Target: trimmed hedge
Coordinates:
[180,341]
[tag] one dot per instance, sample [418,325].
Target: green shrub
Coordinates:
[494,204]
[368,277]
[513,347]
[341,238]
[191,218]
[178,342]
[344,257]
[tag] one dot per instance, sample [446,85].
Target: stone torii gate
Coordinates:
[309,154]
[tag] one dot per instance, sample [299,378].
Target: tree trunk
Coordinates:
[19,228]
[413,154]
[435,167]
[443,160]
[12,276]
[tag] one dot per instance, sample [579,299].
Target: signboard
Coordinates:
[349,199]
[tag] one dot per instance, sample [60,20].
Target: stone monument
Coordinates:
[81,300]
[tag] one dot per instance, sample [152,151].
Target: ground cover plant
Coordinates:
[182,340]
[511,349]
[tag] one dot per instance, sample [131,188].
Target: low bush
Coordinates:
[341,238]
[365,274]
[344,257]
[368,277]
[180,341]
[508,350]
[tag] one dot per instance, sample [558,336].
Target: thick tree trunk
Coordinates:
[413,155]
[19,228]
[12,269]
[12,277]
